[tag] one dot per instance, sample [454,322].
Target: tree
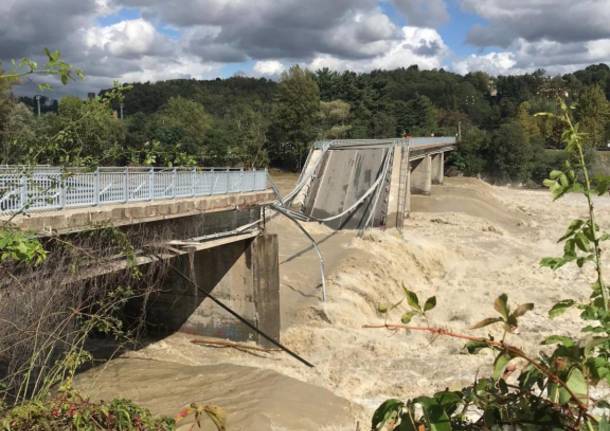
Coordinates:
[334,119]
[82,132]
[510,155]
[6,105]
[469,157]
[593,113]
[182,125]
[417,117]
[295,117]
[18,139]
[246,132]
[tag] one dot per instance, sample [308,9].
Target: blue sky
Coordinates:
[132,40]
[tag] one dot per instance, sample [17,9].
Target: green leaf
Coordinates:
[438,418]
[500,364]
[582,242]
[561,307]
[406,423]
[430,303]
[486,322]
[501,306]
[548,183]
[603,424]
[559,339]
[407,317]
[412,298]
[388,411]
[475,346]
[577,383]
[555,174]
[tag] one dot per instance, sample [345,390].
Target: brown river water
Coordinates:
[466,243]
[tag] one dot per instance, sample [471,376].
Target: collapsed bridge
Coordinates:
[207,226]
[359,183]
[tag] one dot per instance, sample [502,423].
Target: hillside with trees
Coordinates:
[249,122]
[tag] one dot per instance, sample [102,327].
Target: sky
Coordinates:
[150,40]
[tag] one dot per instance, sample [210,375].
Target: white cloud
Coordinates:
[126,38]
[268,68]
[423,47]
[533,20]
[494,63]
[181,67]
[523,56]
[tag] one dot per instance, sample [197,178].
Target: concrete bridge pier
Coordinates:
[421,175]
[438,168]
[243,274]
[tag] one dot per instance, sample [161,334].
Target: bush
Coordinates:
[70,411]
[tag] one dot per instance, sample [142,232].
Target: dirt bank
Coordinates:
[466,244]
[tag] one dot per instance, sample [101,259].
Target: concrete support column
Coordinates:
[244,275]
[266,286]
[438,168]
[421,176]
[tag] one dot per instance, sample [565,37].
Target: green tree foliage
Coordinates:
[593,113]
[6,101]
[19,134]
[334,119]
[245,131]
[295,116]
[82,132]
[287,115]
[181,125]
[510,152]
[470,154]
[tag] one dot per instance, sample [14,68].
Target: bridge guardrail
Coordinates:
[47,188]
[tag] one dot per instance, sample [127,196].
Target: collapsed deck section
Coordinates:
[343,177]
[354,184]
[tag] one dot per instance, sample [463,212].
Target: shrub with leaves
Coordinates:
[68,410]
[545,390]
[19,246]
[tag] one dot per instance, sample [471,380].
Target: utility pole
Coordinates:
[38,104]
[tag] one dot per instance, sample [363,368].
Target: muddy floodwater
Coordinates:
[466,243]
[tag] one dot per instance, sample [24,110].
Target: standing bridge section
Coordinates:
[205,226]
[359,183]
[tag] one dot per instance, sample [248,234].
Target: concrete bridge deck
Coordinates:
[50,200]
[369,181]
[77,219]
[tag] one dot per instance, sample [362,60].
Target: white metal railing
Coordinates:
[410,141]
[44,188]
